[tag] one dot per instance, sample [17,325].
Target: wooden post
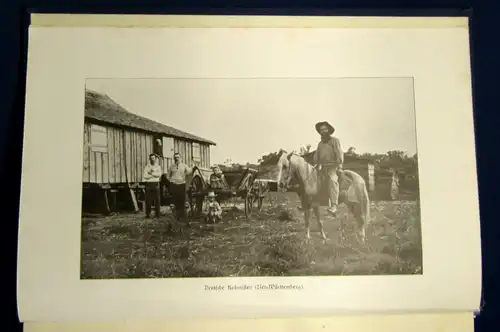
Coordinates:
[134,199]
[107,210]
[113,192]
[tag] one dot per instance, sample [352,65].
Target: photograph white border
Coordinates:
[61,58]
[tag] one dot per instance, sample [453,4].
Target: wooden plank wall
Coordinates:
[138,147]
[205,155]
[95,163]
[185,148]
[166,163]
[127,152]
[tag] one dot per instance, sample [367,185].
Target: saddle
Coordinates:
[344,181]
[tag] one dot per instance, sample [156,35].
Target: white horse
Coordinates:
[352,191]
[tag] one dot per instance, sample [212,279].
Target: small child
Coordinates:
[211,209]
[217,180]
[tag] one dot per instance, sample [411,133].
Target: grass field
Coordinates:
[270,243]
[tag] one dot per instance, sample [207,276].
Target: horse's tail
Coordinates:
[365,203]
[363,198]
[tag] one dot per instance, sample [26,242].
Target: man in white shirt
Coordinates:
[177,174]
[151,177]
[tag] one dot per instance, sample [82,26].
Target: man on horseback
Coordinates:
[329,158]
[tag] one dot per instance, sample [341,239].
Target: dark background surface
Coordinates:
[485,36]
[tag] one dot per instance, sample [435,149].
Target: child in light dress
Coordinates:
[212,211]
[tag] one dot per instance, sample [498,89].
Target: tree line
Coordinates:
[396,160]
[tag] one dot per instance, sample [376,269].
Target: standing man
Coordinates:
[152,174]
[177,174]
[329,157]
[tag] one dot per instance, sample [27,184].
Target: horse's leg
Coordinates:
[352,209]
[360,220]
[320,222]
[307,219]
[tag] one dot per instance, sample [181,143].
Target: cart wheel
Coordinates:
[196,193]
[248,205]
[198,205]
[259,197]
[260,203]
[193,205]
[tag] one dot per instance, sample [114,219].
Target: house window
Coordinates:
[98,138]
[157,146]
[196,153]
[168,147]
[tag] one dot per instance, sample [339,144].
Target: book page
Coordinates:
[444,322]
[342,159]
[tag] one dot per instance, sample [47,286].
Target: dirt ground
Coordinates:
[271,243]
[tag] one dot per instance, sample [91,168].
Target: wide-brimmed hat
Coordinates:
[325,123]
[211,194]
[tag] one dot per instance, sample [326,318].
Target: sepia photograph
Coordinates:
[311,178]
[249,177]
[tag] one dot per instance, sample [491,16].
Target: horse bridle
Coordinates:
[289,158]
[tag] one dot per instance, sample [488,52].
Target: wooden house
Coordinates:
[117,144]
[387,185]
[362,166]
[408,186]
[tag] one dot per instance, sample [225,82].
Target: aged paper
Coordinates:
[62,60]
[445,322]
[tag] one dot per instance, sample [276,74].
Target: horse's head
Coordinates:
[284,172]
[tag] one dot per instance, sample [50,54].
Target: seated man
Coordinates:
[217,180]
[328,158]
[212,211]
[323,188]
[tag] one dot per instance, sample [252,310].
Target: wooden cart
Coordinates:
[261,188]
[237,184]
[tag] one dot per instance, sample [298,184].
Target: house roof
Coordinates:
[101,107]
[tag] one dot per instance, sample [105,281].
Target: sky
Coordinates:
[249,118]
